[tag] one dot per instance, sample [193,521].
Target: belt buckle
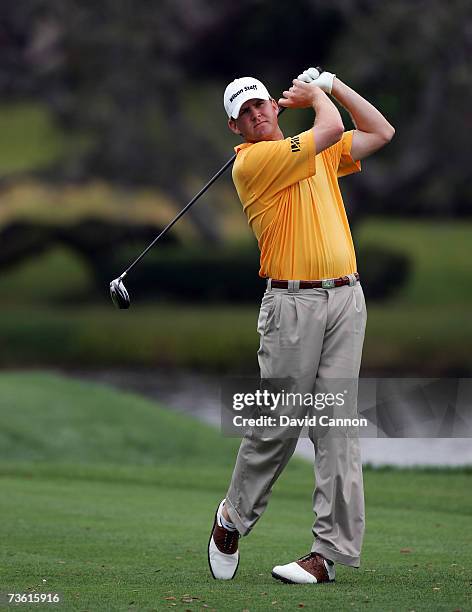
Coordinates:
[328,283]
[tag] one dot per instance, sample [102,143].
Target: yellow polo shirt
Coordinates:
[294,206]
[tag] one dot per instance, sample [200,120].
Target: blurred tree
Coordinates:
[122,72]
[413,59]
[131,75]
[111,70]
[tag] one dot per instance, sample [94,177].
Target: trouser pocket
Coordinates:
[266,316]
[360,309]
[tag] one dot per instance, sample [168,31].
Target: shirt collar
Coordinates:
[243,145]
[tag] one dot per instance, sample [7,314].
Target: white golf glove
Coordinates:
[323,80]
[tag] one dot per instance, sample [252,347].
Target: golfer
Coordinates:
[313,315]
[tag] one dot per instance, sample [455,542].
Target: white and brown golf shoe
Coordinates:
[223,553]
[311,569]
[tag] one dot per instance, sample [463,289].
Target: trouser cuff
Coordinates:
[334,555]
[242,527]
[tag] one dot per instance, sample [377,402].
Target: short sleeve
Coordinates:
[268,167]
[339,156]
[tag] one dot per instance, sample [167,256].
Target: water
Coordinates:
[198,395]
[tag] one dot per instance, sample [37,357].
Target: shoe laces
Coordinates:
[230,536]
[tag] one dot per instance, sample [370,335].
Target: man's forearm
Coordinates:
[328,126]
[364,115]
[325,111]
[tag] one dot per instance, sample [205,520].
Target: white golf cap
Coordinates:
[240,90]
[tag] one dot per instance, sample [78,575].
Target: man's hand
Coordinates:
[300,95]
[328,127]
[323,80]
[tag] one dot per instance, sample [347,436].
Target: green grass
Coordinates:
[47,418]
[30,139]
[424,331]
[96,514]
[412,340]
[415,340]
[440,255]
[48,277]
[201,337]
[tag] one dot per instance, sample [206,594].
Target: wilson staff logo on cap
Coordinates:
[240,90]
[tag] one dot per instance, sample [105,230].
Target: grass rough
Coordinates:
[115,525]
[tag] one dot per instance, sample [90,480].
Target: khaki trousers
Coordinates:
[311,338]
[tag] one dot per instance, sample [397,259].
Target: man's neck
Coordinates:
[277,136]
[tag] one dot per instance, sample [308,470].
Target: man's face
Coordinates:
[257,121]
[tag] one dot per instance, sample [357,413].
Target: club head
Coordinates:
[119,294]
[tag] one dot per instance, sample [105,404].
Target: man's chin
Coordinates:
[262,132]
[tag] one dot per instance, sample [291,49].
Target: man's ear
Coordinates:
[275,106]
[233,126]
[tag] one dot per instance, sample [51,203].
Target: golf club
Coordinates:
[118,291]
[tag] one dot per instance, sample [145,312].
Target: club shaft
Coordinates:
[184,210]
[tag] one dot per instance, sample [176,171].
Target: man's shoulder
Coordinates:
[250,146]
[250,156]
[255,150]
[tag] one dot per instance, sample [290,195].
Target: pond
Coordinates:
[198,395]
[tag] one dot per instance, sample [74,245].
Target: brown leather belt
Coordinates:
[327,283]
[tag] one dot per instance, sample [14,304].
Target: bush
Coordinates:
[193,274]
[230,274]
[383,271]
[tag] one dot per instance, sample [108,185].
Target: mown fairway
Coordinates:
[108,500]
